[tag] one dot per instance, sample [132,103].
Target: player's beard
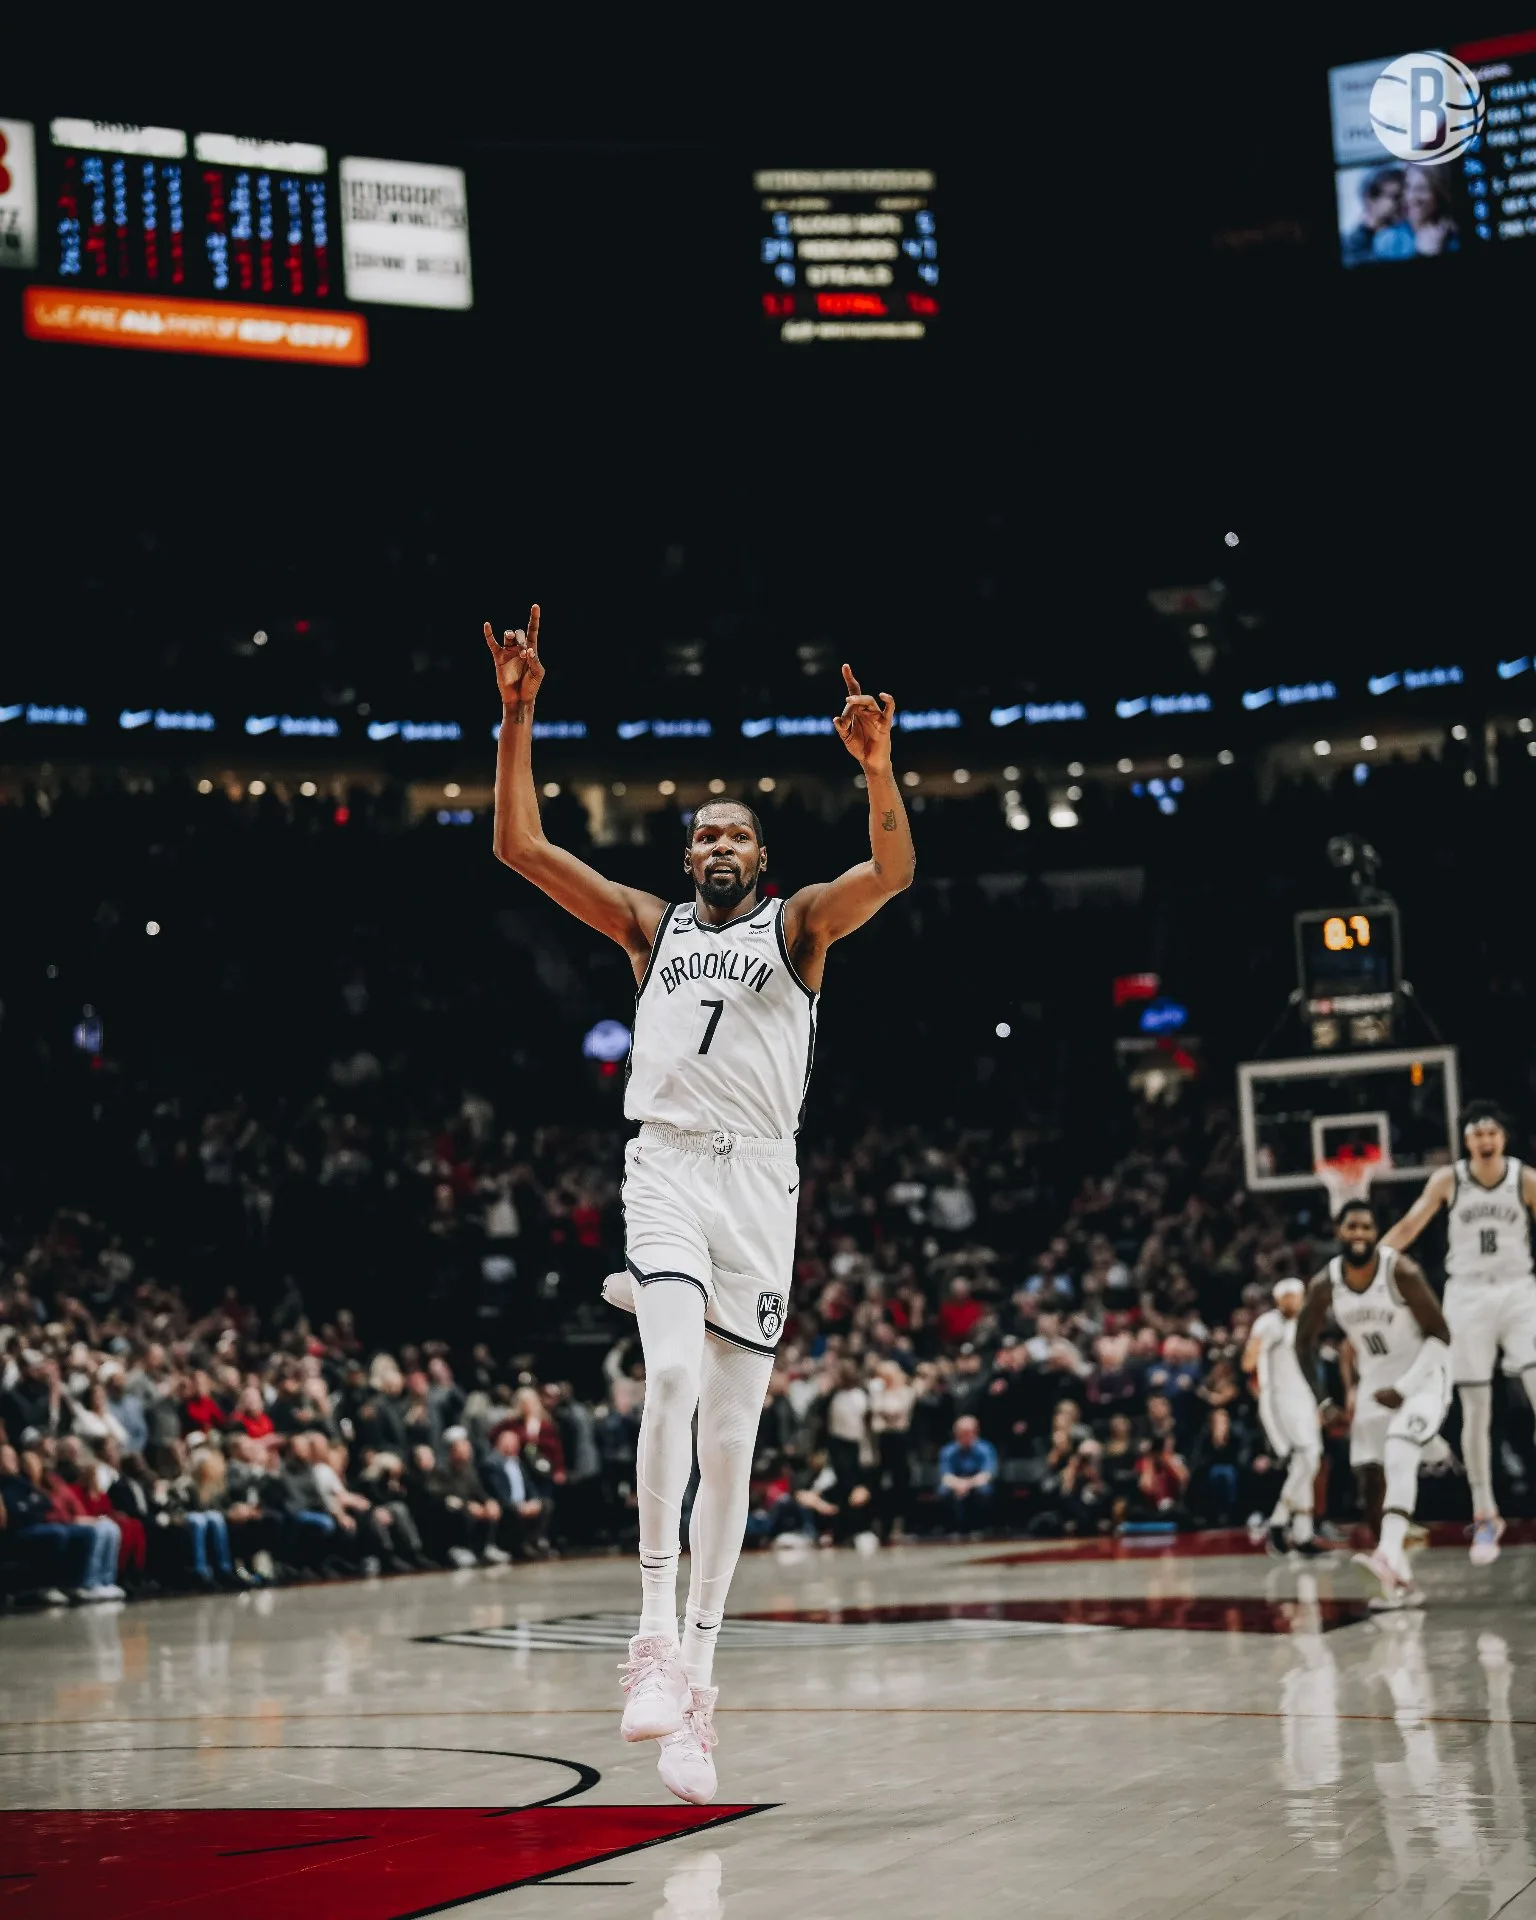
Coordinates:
[718,890]
[1358,1257]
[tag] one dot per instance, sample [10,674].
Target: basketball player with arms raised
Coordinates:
[1381,1302]
[725,1026]
[1490,1290]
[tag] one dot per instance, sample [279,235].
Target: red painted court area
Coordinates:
[329,1863]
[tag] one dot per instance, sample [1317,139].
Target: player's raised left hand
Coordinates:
[864,725]
[518,666]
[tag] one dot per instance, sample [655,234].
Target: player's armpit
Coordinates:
[1437,1192]
[1420,1301]
[623,913]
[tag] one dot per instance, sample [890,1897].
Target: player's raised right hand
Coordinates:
[516,654]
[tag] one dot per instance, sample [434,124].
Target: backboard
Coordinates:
[1297,1112]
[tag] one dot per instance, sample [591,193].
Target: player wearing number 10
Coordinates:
[725,1027]
[1490,1291]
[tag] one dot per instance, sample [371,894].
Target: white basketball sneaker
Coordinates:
[686,1766]
[1395,1588]
[657,1687]
[619,1291]
[1486,1535]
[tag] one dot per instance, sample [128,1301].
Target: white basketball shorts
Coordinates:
[1485,1316]
[1418,1419]
[715,1211]
[1290,1424]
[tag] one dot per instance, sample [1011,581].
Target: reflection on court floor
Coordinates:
[927,1731]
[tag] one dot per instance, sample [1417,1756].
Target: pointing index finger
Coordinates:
[533,627]
[848,680]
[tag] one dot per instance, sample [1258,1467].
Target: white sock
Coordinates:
[1296,1494]
[1401,1462]
[732,1389]
[658,1594]
[1476,1447]
[700,1631]
[671,1317]
[1394,1531]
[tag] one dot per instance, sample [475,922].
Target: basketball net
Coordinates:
[1348,1175]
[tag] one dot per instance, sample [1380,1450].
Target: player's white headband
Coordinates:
[1283,1287]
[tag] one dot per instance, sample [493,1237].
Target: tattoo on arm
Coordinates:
[514,716]
[888,820]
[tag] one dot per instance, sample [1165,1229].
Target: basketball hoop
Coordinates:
[1348,1175]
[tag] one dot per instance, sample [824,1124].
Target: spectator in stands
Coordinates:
[126,1408]
[850,1445]
[1215,1471]
[543,1451]
[468,1514]
[194,1502]
[200,1411]
[383,1479]
[79,1554]
[524,1515]
[251,1416]
[967,1478]
[892,1396]
[1162,1480]
[960,1313]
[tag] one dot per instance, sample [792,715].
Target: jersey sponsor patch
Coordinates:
[770,1315]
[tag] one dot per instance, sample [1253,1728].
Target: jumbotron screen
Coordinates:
[208,242]
[848,254]
[1393,209]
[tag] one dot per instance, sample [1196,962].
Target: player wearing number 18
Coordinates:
[725,1028]
[1490,1290]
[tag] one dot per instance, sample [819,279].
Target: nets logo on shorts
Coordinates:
[770,1314]
[1427,107]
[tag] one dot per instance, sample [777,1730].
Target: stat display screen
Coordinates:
[848,255]
[152,210]
[1392,212]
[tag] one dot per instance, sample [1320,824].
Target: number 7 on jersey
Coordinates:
[714,1021]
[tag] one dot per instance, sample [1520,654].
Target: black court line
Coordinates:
[294,1846]
[586,1777]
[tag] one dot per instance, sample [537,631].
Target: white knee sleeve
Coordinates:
[1300,1472]
[1476,1444]
[1401,1459]
[732,1388]
[671,1317]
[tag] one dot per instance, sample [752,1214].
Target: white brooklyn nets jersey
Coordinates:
[1489,1237]
[1377,1323]
[724,1027]
[1279,1370]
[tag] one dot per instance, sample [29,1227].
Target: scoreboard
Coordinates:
[210,242]
[132,209]
[848,254]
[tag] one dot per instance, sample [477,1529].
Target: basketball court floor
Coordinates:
[987,1730]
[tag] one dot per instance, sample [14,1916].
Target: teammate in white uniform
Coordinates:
[725,1026]
[1382,1304]
[1490,1290]
[1288,1413]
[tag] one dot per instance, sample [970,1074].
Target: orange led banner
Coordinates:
[195,326]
